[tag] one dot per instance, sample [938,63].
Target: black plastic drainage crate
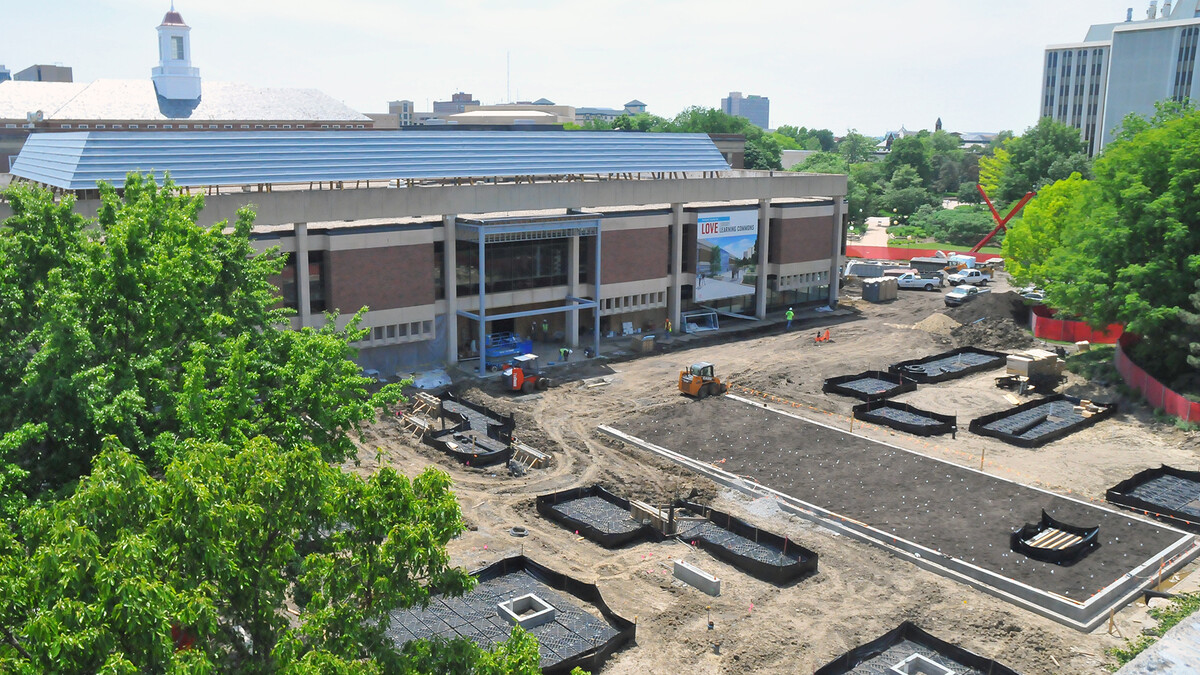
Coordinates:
[1036,423]
[597,514]
[869,385]
[1054,541]
[575,637]
[480,436]
[883,653]
[905,417]
[761,554]
[1167,493]
[949,365]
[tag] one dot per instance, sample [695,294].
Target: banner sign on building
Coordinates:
[727,254]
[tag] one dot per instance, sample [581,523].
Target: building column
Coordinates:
[303,302]
[835,253]
[450,283]
[675,292]
[764,243]
[572,327]
[482,303]
[599,279]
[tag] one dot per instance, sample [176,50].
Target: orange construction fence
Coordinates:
[1156,393]
[893,253]
[1047,327]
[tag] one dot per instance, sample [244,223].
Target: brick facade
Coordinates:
[796,240]
[380,278]
[634,255]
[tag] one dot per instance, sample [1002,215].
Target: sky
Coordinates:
[868,65]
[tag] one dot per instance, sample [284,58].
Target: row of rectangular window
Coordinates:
[638,301]
[803,279]
[399,332]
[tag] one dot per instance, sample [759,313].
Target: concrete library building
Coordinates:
[460,243]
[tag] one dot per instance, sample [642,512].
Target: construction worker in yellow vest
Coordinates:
[789,316]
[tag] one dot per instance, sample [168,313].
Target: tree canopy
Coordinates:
[1046,152]
[1125,246]
[169,497]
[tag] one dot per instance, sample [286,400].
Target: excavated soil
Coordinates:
[995,305]
[992,333]
[859,592]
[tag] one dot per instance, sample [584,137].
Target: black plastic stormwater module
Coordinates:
[906,418]
[480,436]
[949,365]
[597,514]
[1167,493]
[878,656]
[575,638]
[761,554]
[1036,423]
[1054,541]
[870,385]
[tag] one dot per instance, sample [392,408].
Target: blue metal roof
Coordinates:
[77,160]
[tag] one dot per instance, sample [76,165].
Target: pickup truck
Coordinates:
[973,277]
[926,282]
[963,294]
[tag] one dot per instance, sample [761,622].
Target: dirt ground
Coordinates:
[859,592]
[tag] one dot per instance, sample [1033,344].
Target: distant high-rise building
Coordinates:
[457,103]
[5,73]
[42,73]
[1122,68]
[755,108]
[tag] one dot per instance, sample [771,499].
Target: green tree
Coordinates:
[968,194]
[962,226]
[98,320]
[1133,254]
[1192,332]
[1164,111]
[856,147]
[910,151]
[129,567]
[905,192]
[1033,238]
[866,186]
[821,140]
[1046,152]
[991,171]
[700,120]
[211,505]
[763,153]
[598,125]
[822,162]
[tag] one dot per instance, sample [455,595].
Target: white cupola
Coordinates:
[174,77]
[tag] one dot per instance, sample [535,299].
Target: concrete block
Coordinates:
[917,664]
[527,611]
[697,578]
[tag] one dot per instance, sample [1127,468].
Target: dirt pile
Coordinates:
[993,334]
[993,306]
[938,324]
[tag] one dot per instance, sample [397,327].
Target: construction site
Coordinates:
[750,466]
[790,525]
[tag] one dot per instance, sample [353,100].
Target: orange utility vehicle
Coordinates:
[523,375]
[699,381]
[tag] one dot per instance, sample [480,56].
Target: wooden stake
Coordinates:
[982,454]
